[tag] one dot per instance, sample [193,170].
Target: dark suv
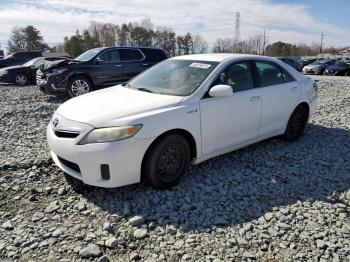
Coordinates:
[19,58]
[97,67]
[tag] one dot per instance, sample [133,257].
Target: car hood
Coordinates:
[9,68]
[57,63]
[336,68]
[313,66]
[108,106]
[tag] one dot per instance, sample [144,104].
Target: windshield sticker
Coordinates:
[200,65]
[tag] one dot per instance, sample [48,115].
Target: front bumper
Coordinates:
[51,84]
[84,162]
[311,71]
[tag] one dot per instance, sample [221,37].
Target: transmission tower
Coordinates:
[237,36]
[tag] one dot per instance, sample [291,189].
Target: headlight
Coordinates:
[109,134]
[57,71]
[3,72]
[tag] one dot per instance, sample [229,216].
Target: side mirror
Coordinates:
[221,91]
[98,60]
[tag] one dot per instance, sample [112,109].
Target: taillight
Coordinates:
[315,86]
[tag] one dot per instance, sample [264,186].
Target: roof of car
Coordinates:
[218,57]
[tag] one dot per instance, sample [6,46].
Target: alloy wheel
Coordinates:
[80,87]
[21,79]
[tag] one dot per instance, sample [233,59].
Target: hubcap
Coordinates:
[21,79]
[170,163]
[80,87]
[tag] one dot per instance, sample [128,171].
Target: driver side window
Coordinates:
[238,75]
[109,56]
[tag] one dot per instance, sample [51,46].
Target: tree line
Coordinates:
[145,33]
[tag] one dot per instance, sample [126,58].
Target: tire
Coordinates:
[166,161]
[78,85]
[20,79]
[296,124]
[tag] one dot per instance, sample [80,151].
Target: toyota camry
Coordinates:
[183,110]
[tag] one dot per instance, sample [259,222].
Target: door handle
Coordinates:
[145,64]
[294,89]
[254,98]
[118,65]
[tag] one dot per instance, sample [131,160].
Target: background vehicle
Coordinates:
[97,67]
[305,62]
[317,67]
[2,54]
[185,109]
[23,74]
[340,68]
[292,62]
[19,58]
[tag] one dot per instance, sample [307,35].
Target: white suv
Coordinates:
[184,110]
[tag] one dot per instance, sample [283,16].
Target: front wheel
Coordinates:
[20,79]
[78,86]
[296,124]
[166,162]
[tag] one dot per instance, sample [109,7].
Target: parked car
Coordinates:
[95,68]
[19,58]
[317,67]
[305,62]
[23,74]
[340,68]
[293,63]
[2,55]
[184,110]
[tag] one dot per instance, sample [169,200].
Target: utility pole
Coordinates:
[237,35]
[321,43]
[264,43]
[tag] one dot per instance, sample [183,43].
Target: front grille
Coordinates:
[69,164]
[66,134]
[40,77]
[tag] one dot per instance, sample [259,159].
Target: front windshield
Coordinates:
[174,77]
[86,56]
[32,62]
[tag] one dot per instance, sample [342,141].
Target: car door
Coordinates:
[232,120]
[132,62]
[280,94]
[106,69]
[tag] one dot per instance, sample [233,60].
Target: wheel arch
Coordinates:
[186,134]
[86,75]
[302,103]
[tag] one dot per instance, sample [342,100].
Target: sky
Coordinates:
[291,21]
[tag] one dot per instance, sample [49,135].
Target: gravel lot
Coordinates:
[274,201]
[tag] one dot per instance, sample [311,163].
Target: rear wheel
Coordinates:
[296,124]
[79,85]
[166,161]
[20,79]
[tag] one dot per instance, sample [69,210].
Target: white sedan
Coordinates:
[184,110]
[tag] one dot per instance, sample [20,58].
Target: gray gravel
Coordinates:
[274,201]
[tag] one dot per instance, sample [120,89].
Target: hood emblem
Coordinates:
[55,122]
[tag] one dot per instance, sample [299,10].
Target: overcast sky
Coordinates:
[292,21]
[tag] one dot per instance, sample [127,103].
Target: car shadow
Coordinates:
[240,186]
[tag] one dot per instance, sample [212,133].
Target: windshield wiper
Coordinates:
[145,90]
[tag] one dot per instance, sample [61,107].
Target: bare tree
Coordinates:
[199,44]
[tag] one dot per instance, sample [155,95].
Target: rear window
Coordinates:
[130,55]
[155,54]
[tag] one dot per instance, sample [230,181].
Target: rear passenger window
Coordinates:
[130,55]
[269,73]
[286,76]
[238,75]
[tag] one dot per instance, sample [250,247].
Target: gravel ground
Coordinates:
[274,201]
